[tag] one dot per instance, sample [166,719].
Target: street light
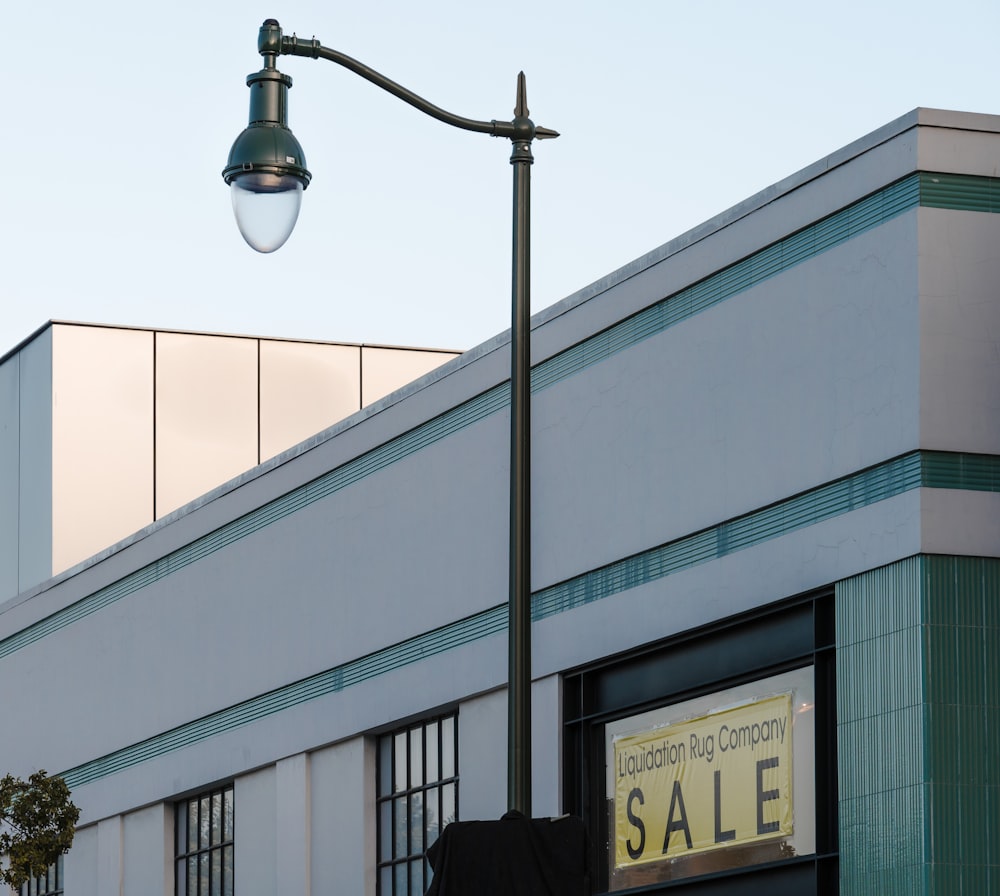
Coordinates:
[267,174]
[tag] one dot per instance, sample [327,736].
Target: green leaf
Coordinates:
[41,820]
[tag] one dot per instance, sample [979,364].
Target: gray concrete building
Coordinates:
[766,584]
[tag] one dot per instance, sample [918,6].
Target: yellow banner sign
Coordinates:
[707,783]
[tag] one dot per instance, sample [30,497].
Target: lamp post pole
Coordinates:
[267,173]
[519,598]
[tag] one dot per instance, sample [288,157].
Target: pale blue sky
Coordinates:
[118,117]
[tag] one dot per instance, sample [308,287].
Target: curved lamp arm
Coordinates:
[518,129]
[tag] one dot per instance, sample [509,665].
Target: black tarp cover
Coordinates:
[515,856]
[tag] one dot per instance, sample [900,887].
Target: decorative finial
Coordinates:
[521,109]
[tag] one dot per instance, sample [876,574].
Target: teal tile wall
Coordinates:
[918,719]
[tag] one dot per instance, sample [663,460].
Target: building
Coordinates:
[766,584]
[105,429]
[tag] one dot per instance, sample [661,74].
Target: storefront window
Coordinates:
[715,783]
[707,762]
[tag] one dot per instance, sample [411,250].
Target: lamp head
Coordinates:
[267,169]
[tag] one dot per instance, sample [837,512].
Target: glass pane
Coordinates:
[417,877]
[432,809]
[431,742]
[417,757]
[228,873]
[216,872]
[181,873]
[399,771]
[384,766]
[385,881]
[192,826]
[216,831]
[203,878]
[399,884]
[385,831]
[192,876]
[449,809]
[448,766]
[417,823]
[227,816]
[795,689]
[204,822]
[400,819]
[180,826]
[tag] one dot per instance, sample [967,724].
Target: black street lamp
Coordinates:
[267,173]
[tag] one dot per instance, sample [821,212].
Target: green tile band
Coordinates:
[839,227]
[960,192]
[336,679]
[918,706]
[916,470]
[923,188]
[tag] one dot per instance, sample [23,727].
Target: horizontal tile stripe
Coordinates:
[919,469]
[421,647]
[960,192]
[937,190]
[751,271]
[476,409]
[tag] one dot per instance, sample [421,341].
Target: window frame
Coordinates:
[225,843]
[403,870]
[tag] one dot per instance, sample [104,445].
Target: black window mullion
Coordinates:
[427,779]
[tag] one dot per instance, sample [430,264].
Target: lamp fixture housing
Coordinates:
[267,170]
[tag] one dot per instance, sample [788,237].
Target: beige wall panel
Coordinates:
[304,388]
[206,414]
[102,439]
[383,370]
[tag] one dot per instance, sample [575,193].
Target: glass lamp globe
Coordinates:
[266,206]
